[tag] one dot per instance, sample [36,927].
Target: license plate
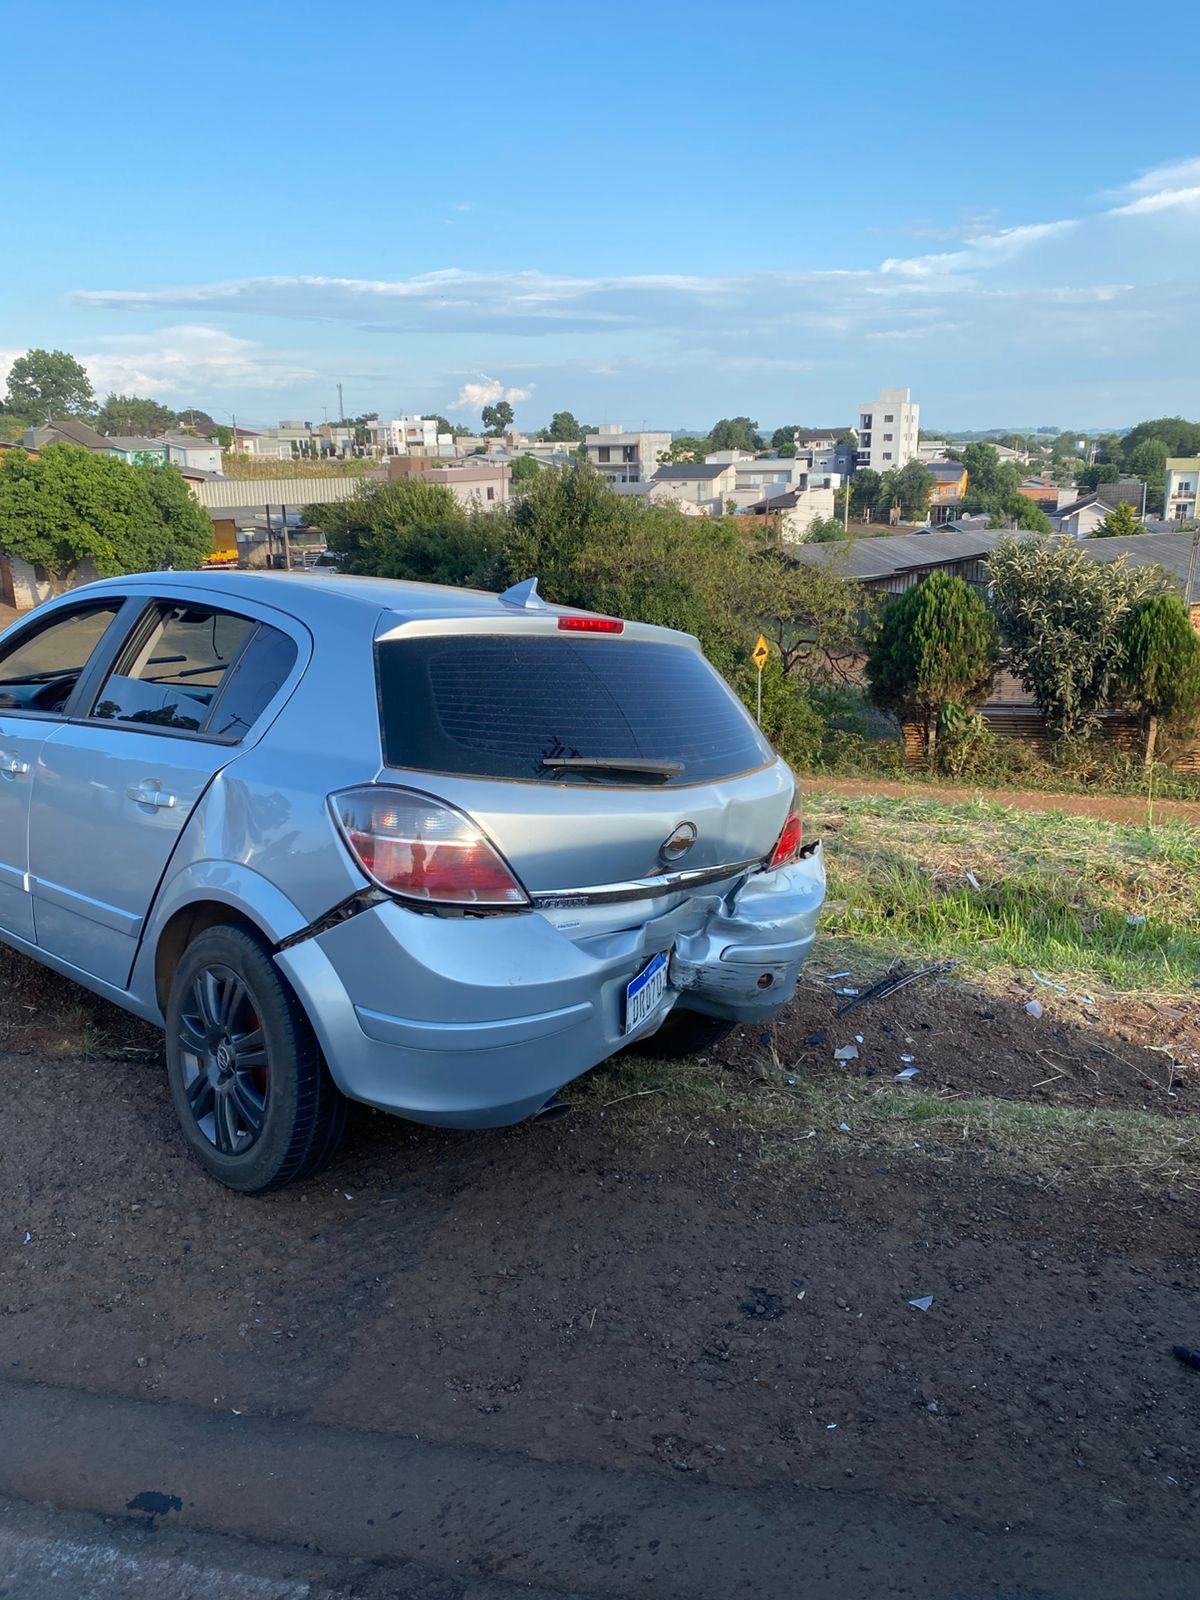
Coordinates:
[646,993]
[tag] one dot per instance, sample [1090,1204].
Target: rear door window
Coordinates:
[506,705]
[195,669]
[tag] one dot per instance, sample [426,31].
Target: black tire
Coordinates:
[254,1098]
[684,1033]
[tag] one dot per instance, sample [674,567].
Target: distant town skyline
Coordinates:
[504,208]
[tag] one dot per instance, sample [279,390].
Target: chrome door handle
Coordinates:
[17,768]
[151,797]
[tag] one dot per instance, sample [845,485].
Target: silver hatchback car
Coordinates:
[431,849]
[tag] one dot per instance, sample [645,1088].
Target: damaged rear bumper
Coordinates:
[476,1022]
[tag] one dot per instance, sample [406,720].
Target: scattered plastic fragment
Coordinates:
[843,1127]
[832,977]
[972,880]
[791,1083]
[908,1074]
[1136,919]
[891,982]
[1048,983]
[1034,1007]
[923,1303]
[1086,1000]
[848,1052]
[908,1058]
[765,1036]
[28,1239]
[1185,1353]
[830,1426]
[815,1039]
[858,1038]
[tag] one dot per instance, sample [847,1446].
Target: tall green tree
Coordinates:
[864,492]
[498,417]
[523,469]
[914,485]
[197,421]
[564,427]
[687,447]
[937,645]
[132,414]
[735,433]
[70,506]
[45,384]
[1122,522]
[1061,613]
[1160,664]
[784,436]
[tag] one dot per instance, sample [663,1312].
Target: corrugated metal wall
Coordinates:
[219,492]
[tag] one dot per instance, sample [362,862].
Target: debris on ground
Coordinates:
[891,982]
[832,977]
[1136,919]
[973,880]
[848,1052]
[814,1039]
[922,1303]
[1185,1353]
[906,1075]
[908,1059]
[1034,1007]
[1048,983]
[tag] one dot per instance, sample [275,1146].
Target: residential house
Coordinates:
[65,430]
[135,450]
[706,485]
[888,430]
[476,488]
[186,450]
[1183,483]
[1083,516]
[794,511]
[948,491]
[932,450]
[409,436]
[1051,497]
[625,457]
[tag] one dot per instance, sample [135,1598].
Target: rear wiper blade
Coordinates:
[633,766]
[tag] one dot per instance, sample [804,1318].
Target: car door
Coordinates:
[41,663]
[115,788]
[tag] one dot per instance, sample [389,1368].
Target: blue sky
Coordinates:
[675,214]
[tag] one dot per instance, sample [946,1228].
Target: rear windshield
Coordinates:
[503,705]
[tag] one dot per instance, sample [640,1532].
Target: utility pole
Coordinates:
[1191,576]
[287,543]
[341,405]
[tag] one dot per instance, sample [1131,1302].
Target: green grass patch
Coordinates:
[795,1126]
[1055,892]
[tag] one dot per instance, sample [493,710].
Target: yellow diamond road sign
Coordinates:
[760,653]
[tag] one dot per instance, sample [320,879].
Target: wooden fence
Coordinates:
[1025,722]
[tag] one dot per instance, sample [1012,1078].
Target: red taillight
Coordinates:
[788,844]
[591,625]
[424,850]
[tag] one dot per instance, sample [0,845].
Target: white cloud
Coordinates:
[1173,186]
[983,251]
[474,396]
[186,359]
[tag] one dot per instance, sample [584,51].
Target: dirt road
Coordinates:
[589,1354]
[1082,803]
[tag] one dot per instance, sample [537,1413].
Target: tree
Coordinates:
[1148,461]
[442,425]
[824,530]
[1120,523]
[408,528]
[864,491]
[1028,515]
[1160,664]
[735,433]
[1181,438]
[198,422]
[687,447]
[990,482]
[131,414]
[222,434]
[1061,613]
[70,506]
[1099,472]
[44,384]
[564,427]
[785,436]
[523,469]
[497,417]
[786,451]
[914,485]
[937,645]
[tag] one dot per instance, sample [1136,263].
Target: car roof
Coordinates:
[310,596]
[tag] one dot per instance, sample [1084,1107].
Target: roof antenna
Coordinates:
[525,595]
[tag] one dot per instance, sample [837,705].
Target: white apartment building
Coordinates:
[1182,489]
[405,436]
[625,457]
[888,431]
